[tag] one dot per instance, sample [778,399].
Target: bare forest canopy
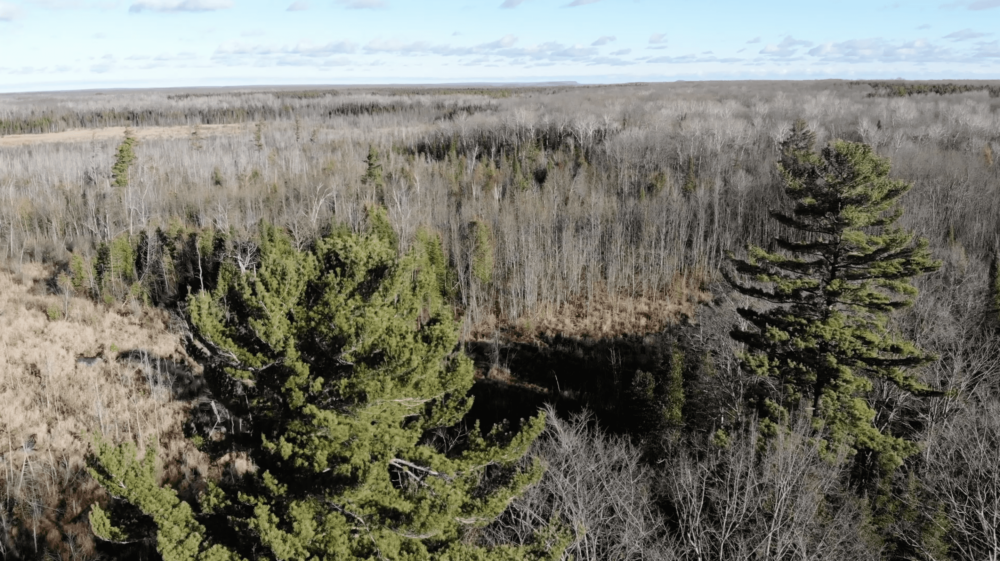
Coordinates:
[584,229]
[587,192]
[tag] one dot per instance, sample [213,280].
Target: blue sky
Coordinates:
[72,44]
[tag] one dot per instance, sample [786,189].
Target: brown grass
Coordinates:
[89,135]
[603,316]
[48,398]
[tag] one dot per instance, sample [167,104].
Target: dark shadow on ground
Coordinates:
[516,378]
[173,378]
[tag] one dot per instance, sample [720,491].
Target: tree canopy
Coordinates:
[831,284]
[339,368]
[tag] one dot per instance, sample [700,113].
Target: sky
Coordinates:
[88,44]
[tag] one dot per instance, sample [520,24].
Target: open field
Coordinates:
[108,133]
[585,231]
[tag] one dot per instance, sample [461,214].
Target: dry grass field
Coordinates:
[66,376]
[106,133]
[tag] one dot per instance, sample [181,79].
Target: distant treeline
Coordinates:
[496,93]
[897,89]
[236,108]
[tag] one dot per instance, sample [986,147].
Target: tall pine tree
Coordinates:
[341,363]
[832,284]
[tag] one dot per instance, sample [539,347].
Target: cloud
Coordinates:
[398,47]
[180,5]
[9,12]
[575,3]
[253,33]
[505,42]
[425,48]
[292,61]
[987,50]
[302,49]
[106,63]
[880,50]
[603,40]
[609,61]
[788,47]
[58,4]
[164,57]
[925,26]
[298,6]
[657,38]
[74,4]
[363,4]
[754,40]
[689,59]
[965,35]
[974,4]
[508,4]
[505,50]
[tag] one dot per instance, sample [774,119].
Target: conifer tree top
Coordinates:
[843,267]
[342,362]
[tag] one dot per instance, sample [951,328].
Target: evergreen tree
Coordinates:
[482,251]
[124,158]
[826,338]
[340,364]
[673,407]
[373,174]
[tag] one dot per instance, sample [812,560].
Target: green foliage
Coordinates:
[909,523]
[721,439]
[341,363]
[378,223]
[673,407]
[446,277]
[520,177]
[835,284]
[80,272]
[180,536]
[896,89]
[658,398]
[54,312]
[482,251]
[124,160]
[115,270]
[657,183]
[258,135]
[644,386]
[217,179]
[155,267]
[373,173]
[121,258]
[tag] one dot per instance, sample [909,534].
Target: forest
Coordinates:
[674,321]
